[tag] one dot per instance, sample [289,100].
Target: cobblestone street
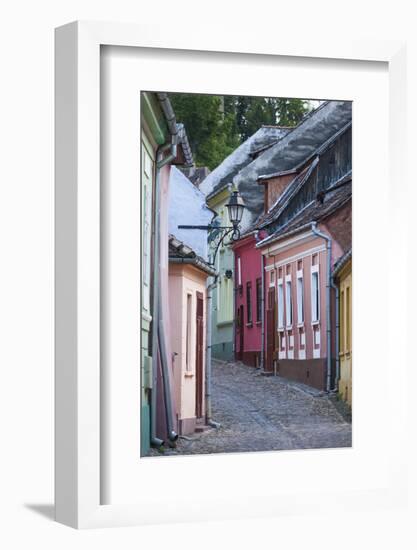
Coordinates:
[260,413]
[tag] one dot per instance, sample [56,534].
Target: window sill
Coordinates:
[258,323]
[315,323]
[188,374]
[300,325]
[249,325]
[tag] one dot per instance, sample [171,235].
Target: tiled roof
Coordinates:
[262,139]
[317,210]
[294,150]
[185,145]
[179,250]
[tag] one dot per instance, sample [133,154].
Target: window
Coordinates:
[288,302]
[272,278]
[224,300]
[239,272]
[300,298]
[348,336]
[249,302]
[342,322]
[280,304]
[258,300]
[315,296]
[147,224]
[188,366]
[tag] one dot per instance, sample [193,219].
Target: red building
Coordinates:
[248,299]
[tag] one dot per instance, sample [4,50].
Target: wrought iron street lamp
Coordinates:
[235,207]
[218,233]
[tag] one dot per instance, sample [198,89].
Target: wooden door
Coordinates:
[270,330]
[199,356]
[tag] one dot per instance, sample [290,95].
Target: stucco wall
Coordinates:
[222,302]
[185,279]
[250,270]
[187,206]
[164,208]
[345,285]
[314,348]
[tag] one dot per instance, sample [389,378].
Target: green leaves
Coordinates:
[216,124]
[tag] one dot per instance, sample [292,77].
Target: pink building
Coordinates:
[300,303]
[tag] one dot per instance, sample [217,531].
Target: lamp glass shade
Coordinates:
[235,207]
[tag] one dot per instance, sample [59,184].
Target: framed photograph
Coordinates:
[218,208]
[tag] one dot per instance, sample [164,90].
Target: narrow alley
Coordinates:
[261,413]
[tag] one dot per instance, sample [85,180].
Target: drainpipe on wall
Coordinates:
[328,304]
[209,420]
[161,161]
[337,376]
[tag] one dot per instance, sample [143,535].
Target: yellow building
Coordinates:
[343,277]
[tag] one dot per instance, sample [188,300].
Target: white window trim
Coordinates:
[288,303]
[272,283]
[315,269]
[300,302]
[280,309]
[239,272]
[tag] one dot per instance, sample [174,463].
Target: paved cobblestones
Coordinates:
[261,413]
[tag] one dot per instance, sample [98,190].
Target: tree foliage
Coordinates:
[216,125]
[212,133]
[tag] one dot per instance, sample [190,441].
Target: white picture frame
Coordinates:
[79,410]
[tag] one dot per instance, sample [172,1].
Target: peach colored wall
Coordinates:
[184,279]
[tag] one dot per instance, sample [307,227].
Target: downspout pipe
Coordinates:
[337,350]
[209,421]
[172,435]
[161,160]
[328,302]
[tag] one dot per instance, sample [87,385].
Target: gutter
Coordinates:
[195,262]
[209,420]
[158,341]
[328,298]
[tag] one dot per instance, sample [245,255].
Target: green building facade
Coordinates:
[222,296]
[154,133]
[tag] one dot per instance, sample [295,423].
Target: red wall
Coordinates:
[251,270]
